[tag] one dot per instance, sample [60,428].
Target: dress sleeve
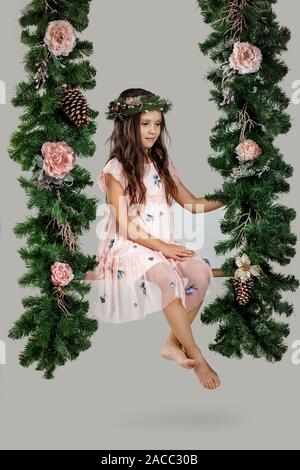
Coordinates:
[173,171]
[114,167]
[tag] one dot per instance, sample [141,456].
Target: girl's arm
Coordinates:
[195,204]
[117,199]
[202,205]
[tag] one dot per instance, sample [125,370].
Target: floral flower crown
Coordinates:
[123,107]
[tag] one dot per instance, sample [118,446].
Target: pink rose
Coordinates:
[248,150]
[245,58]
[59,159]
[62,274]
[60,37]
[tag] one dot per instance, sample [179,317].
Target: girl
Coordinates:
[141,267]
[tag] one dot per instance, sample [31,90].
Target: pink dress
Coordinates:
[132,280]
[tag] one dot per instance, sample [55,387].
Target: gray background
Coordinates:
[120,394]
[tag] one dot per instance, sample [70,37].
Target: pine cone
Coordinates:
[75,107]
[42,74]
[243,290]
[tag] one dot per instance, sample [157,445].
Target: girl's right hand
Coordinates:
[177,252]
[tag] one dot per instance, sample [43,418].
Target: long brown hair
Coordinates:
[126,146]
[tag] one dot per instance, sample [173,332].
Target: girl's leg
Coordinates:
[172,346]
[164,276]
[191,315]
[179,322]
[198,273]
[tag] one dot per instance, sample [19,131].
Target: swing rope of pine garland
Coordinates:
[55,322]
[245,31]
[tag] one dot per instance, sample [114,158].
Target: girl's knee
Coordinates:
[201,280]
[162,275]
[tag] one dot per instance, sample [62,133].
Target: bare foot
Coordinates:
[206,375]
[173,352]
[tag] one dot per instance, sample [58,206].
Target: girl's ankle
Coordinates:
[195,352]
[173,339]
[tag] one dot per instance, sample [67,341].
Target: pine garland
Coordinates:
[258,227]
[55,321]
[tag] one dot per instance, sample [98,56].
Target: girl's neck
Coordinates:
[148,157]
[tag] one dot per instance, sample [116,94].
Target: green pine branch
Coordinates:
[252,328]
[54,336]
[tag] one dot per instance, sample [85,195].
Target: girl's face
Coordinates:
[150,126]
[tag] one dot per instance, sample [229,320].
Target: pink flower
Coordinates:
[60,37]
[62,274]
[59,159]
[248,150]
[245,58]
